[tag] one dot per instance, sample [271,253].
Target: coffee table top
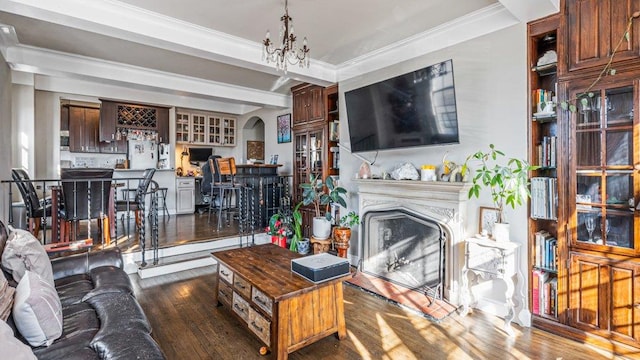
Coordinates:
[268,267]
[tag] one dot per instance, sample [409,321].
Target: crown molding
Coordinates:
[111,91]
[47,62]
[127,22]
[478,23]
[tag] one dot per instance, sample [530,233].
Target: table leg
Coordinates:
[509,303]
[342,327]
[464,292]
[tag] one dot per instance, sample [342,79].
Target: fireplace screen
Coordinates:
[404,248]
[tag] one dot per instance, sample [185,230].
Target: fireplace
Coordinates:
[404,248]
[412,233]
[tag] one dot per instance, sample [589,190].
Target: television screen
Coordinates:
[200,154]
[414,109]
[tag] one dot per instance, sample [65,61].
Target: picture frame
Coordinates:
[255,150]
[284,128]
[487,217]
[334,131]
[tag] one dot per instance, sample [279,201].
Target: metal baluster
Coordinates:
[142,238]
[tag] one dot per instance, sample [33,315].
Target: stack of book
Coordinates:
[544,198]
[546,251]
[544,293]
[547,152]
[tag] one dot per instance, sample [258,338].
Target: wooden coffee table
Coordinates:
[284,310]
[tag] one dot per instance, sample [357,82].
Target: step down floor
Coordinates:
[171,264]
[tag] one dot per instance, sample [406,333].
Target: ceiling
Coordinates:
[211,50]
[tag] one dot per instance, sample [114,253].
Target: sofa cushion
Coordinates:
[109,279]
[37,311]
[12,347]
[72,289]
[6,298]
[24,252]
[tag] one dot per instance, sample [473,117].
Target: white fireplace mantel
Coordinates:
[444,202]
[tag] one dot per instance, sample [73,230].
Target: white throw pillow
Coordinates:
[24,252]
[37,311]
[12,347]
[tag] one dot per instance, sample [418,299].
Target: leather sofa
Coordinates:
[101,317]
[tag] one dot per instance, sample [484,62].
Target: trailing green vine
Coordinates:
[607,70]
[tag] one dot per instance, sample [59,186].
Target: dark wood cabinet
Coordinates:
[315,110]
[595,27]
[163,125]
[604,297]
[83,129]
[108,115]
[308,104]
[592,281]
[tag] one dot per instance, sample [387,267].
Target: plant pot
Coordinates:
[501,232]
[321,228]
[341,238]
[303,246]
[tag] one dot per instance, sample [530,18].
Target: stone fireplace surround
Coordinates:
[443,202]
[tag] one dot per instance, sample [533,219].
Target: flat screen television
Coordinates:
[414,109]
[199,154]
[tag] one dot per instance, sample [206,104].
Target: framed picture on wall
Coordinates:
[488,217]
[255,150]
[284,128]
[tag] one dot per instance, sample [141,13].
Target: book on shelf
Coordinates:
[535,291]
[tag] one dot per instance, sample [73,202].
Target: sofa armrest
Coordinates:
[83,263]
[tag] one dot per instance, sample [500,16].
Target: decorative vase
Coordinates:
[501,232]
[321,228]
[303,246]
[341,238]
[279,240]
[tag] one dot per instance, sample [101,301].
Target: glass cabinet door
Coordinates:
[606,183]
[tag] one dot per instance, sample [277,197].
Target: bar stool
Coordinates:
[227,186]
[163,195]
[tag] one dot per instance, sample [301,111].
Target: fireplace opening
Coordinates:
[404,248]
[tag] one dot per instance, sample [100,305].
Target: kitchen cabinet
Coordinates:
[594,28]
[83,129]
[203,128]
[118,117]
[185,195]
[308,104]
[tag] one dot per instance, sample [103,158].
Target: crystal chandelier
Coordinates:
[289,52]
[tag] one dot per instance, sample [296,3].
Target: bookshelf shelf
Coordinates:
[543,213]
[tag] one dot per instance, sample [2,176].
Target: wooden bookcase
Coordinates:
[596,262]
[315,110]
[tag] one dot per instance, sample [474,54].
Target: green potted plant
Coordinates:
[508,183]
[298,243]
[342,232]
[322,194]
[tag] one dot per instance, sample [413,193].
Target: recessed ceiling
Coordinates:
[216,43]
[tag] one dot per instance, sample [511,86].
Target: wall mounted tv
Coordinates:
[414,109]
[199,154]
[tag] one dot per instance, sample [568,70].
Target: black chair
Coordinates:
[210,194]
[86,195]
[137,204]
[36,208]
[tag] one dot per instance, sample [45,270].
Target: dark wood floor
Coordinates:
[173,230]
[188,325]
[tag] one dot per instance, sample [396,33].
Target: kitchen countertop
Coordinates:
[132,170]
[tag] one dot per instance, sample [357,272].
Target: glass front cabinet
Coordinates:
[604,277]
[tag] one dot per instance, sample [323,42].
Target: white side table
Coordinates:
[492,260]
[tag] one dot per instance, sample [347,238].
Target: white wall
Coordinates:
[490,77]
[6,131]
[271,146]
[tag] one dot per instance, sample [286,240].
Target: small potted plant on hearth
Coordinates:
[322,194]
[342,232]
[508,184]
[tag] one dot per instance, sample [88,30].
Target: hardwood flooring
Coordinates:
[188,325]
